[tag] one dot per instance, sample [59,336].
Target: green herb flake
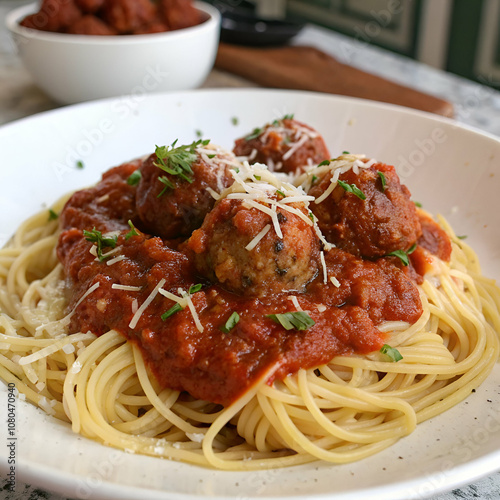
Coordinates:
[134,178]
[462,237]
[231,322]
[198,133]
[52,215]
[352,188]
[383,180]
[418,204]
[280,193]
[393,354]
[346,153]
[298,320]
[168,185]
[314,179]
[235,121]
[324,162]
[254,134]
[412,249]
[312,217]
[177,160]
[257,177]
[133,231]
[288,116]
[174,309]
[100,241]
[401,255]
[80,164]
[195,288]
[211,156]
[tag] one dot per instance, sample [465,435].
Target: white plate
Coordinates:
[449,168]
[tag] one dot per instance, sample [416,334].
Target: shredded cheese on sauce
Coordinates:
[128,288]
[323,263]
[145,304]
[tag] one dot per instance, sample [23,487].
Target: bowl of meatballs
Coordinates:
[80,50]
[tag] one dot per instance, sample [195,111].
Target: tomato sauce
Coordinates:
[214,365]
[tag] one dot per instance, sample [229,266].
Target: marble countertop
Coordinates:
[475,104]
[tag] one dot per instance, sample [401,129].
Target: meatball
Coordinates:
[125,16]
[220,249]
[54,15]
[90,25]
[179,14]
[285,145]
[373,227]
[173,206]
[90,6]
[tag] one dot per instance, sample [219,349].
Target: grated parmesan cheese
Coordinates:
[128,288]
[335,281]
[255,241]
[295,302]
[119,258]
[145,304]
[323,263]
[197,437]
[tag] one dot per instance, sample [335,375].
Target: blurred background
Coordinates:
[459,36]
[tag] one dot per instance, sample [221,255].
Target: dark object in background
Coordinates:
[241,25]
[307,68]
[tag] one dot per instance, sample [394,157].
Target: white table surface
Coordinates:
[475,104]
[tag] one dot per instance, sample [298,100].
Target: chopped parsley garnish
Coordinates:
[280,193]
[132,232]
[324,162]
[418,204]
[288,116]
[234,120]
[314,179]
[231,322]
[463,237]
[298,320]
[254,134]
[100,241]
[346,153]
[312,217]
[175,308]
[177,160]
[80,164]
[393,354]
[168,185]
[134,178]
[52,215]
[211,156]
[195,288]
[199,133]
[352,188]
[382,180]
[402,255]
[257,177]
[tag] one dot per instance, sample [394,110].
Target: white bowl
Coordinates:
[76,68]
[450,169]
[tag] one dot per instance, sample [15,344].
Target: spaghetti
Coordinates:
[342,410]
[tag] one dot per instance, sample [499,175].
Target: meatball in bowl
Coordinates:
[79,50]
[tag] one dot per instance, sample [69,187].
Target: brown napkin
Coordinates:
[308,68]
